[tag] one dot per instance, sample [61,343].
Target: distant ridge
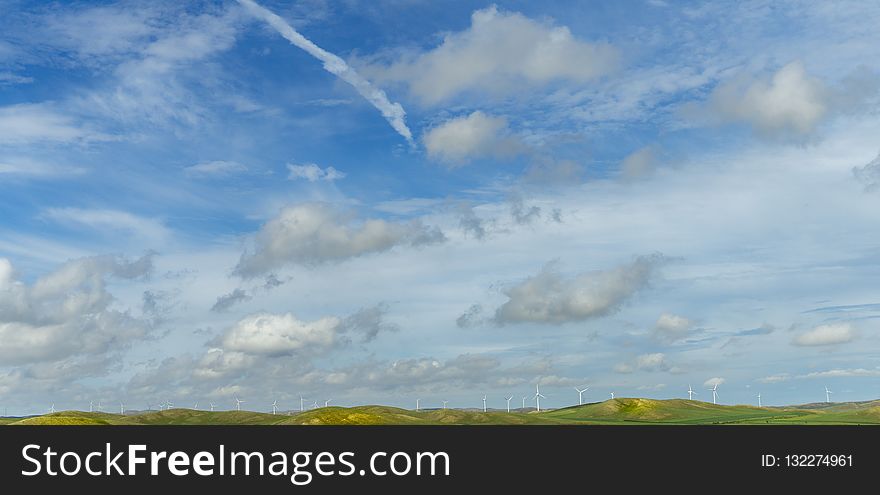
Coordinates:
[619,411]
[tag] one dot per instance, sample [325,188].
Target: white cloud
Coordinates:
[67,313]
[477,135]
[639,163]
[500,53]
[40,123]
[312,233]
[148,229]
[313,173]
[842,373]
[277,335]
[27,167]
[831,334]
[869,174]
[217,168]
[549,297]
[712,382]
[670,327]
[645,362]
[790,102]
[781,377]
[393,112]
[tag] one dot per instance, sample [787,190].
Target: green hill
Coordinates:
[360,415]
[622,411]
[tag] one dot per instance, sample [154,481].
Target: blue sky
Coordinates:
[634,196]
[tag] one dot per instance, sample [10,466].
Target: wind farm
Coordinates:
[613,411]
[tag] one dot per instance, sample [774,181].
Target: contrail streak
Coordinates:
[393,112]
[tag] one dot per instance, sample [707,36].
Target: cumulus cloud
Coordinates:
[500,53]
[470,318]
[368,322]
[639,163]
[670,327]
[478,135]
[279,334]
[217,168]
[313,173]
[471,223]
[68,312]
[791,102]
[550,297]
[313,233]
[645,362]
[521,213]
[831,334]
[227,301]
[273,335]
[712,382]
[869,174]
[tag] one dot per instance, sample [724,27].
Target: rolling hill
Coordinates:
[621,411]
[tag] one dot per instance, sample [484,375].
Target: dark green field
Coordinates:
[611,412]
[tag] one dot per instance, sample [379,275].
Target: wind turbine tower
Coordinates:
[444,404]
[715,394]
[828,395]
[484,403]
[274,407]
[238,403]
[508,399]
[691,392]
[538,398]
[581,395]
[759,399]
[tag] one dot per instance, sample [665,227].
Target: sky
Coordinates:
[389,200]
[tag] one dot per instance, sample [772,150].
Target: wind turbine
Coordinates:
[714,394]
[524,403]
[508,403]
[100,406]
[238,403]
[759,399]
[581,395]
[168,405]
[612,395]
[418,405]
[315,405]
[444,404]
[121,408]
[196,406]
[484,403]
[538,398]
[301,407]
[274,407]
[91,406]
[52,409]
[327,403]
[691,392]
[213,406]
[828,395]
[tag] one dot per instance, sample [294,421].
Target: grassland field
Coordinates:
[622,411]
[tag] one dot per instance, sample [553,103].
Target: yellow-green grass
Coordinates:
[621,411]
